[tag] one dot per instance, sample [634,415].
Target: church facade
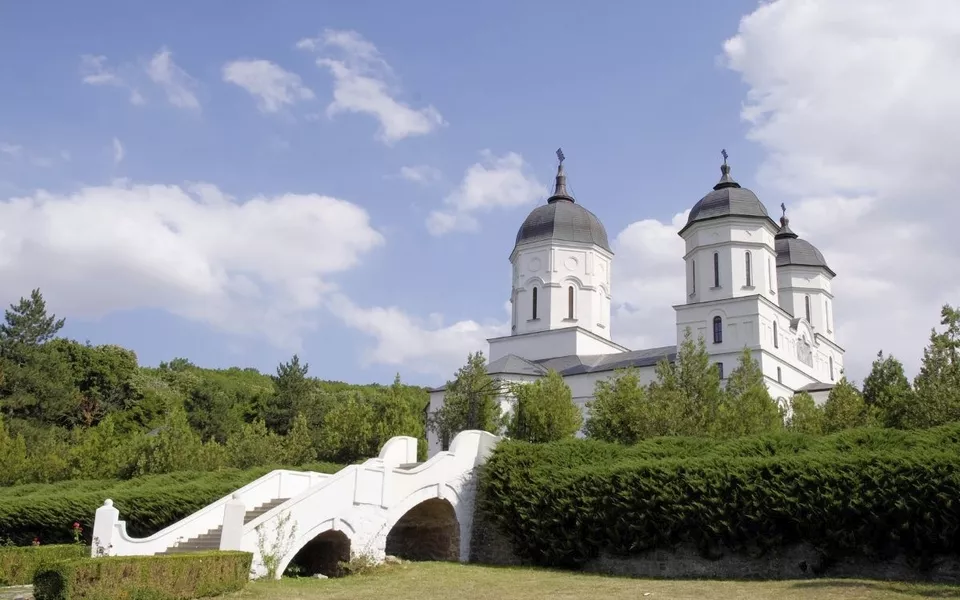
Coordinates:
[750,282]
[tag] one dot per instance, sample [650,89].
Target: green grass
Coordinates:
[425,581]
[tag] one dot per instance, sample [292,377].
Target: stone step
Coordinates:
[262,509]
[211,539]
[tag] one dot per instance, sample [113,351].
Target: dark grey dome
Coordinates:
[727,199]
[791,250]
[563,220]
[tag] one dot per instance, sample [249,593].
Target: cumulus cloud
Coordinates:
[272,86]
[493,183]
[259,267]
[426,346]
[12,150]
[177,84]
[118,151]
[422,174]
[93,71]
[362,85]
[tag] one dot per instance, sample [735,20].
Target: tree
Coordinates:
[347,432]
[617,409]
[395,411]
[544,410]
[887,390]
[844,408]
[805,415]
[292,387]
[470,401]
[297,445]
[27,323]
[937,386]
[747,407]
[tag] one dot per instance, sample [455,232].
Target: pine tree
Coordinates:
[292,390]
[747,407]
[297,445]
[617,409]
[27,323]
[887,390]
[470,401]
[937,386]
[544,410]
[687,393]
[844,408]
[806,416]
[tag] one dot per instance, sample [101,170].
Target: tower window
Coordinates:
[748,263]
[717,330]
[770,273]
[693,276]
[716,269]
[534,303]
[779,375]
[831,368]
[806,306]
[570,302]
[776,335]
[826,314]
[720,370]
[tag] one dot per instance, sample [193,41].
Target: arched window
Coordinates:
[826,314]
[534,303]
[693,276]
[806,305]
[716,269]
[720,370]
[776,335]
[831,368]
[748,263]
[570,302]
[770,281]
[779,375]
[717,330]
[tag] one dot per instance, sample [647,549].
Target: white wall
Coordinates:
[552,344]
[798,282]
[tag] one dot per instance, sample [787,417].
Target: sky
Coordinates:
[235,182]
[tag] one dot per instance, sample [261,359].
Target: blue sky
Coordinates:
[641,96]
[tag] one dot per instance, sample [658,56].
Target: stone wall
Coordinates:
[490,546]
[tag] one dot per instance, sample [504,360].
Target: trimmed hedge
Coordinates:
[876,493]
[165,577]
[147,504]
[18,564]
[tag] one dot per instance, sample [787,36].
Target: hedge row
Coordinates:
[147,504]
[19,564]
[165,577]
[853,494]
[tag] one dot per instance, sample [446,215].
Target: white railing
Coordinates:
[110,533]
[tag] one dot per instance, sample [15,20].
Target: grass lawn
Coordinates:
[425,581]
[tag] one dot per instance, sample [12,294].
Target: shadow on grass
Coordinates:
[925,590]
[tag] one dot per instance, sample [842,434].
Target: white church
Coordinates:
[749,283]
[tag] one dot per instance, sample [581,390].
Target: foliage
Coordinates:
[687,391]
[938,383]
[18,564]
[161,577]
[873,492]
[471,401]
[273,553]
[544,410]
[746,407]
[845,408]
[147,504]
[619,411]
[887,390]
[805,416]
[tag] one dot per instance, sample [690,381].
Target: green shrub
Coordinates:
[870,492]
[147,504]
[19,563]
[163,577]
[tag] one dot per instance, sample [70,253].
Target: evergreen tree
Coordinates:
[686,394]
[617,409]
[27,323]
[292,390]
[471,401]
[844,408]
[887,390]
[347,432]
[747,407]
[297,445]
[544,410]
[937,386]
[806,416]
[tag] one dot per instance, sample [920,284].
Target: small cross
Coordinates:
[725,155]
[560,156]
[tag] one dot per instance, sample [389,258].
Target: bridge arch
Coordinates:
[429,524]
[320,549]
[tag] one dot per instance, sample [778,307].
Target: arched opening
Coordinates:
[776,335]
[323,554]
[717,330]
[428,531]
[806,304]
[534,303]
[570,302]
[748,260]
[716,269]
[693,277]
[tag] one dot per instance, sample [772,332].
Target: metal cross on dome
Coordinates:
[725,155]
[560,155]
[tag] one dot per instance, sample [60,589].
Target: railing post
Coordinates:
[104,526]
[231,536]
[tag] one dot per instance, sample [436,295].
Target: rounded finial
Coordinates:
[108,502]
[784,221]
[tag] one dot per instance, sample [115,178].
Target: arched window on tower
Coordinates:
[806,305]
[776,335]
[826,314]
[720,370]
[570,302]
[716,269]
[717,330]
[779,375]
[770,281]
[534,303]
[748,263]
[831,368]
[693,277]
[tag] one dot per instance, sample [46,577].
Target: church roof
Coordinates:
[727,199]
[562,219]
[791,250]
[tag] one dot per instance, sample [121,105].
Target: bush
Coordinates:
[870,492]
[147,504]
[18,564]
[164,577]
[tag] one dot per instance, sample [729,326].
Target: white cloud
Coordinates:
[423,174]
[273,86]
[257,267]
[118,151]
[176,83]
[424,345]
[13,150]
[493,183]
[93,71]
[361,86]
